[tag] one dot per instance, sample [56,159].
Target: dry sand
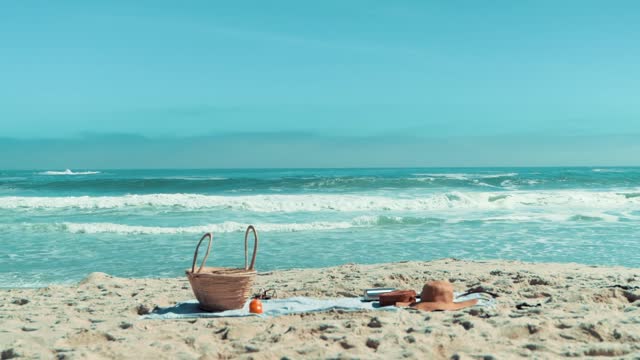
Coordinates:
[585,312]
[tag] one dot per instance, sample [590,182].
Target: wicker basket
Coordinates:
[219,289]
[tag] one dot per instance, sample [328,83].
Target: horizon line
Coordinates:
[335,168]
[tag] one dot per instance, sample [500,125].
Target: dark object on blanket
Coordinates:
[523,305]
[479,290]
[393,297]
[265,294]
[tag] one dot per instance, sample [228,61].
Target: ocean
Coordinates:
[57,226]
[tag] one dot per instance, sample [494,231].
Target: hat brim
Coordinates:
[434,306]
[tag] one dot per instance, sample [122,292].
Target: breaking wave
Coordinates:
[357,222]
[340,203]
[69,172]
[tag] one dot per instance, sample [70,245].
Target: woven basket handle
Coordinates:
[195,255]
[255,247]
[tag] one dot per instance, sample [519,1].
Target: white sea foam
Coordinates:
[608,170]
[464,176]
[480,183]
[544,217]
[357,222]
[491,176]
[225,227]
[69,172]
[453,176]
[456,201]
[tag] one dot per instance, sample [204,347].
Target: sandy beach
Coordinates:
[584,311]
[481,154]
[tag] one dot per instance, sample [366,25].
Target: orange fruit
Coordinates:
[255,306]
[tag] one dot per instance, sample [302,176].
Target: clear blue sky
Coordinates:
[446,70]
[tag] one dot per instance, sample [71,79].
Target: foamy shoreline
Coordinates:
[583,311]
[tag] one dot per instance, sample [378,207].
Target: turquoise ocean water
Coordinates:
[59,226]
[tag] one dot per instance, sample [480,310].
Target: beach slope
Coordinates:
[543,311]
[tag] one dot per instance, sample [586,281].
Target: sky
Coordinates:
[365,83]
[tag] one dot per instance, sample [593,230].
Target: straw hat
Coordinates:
[438,295]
